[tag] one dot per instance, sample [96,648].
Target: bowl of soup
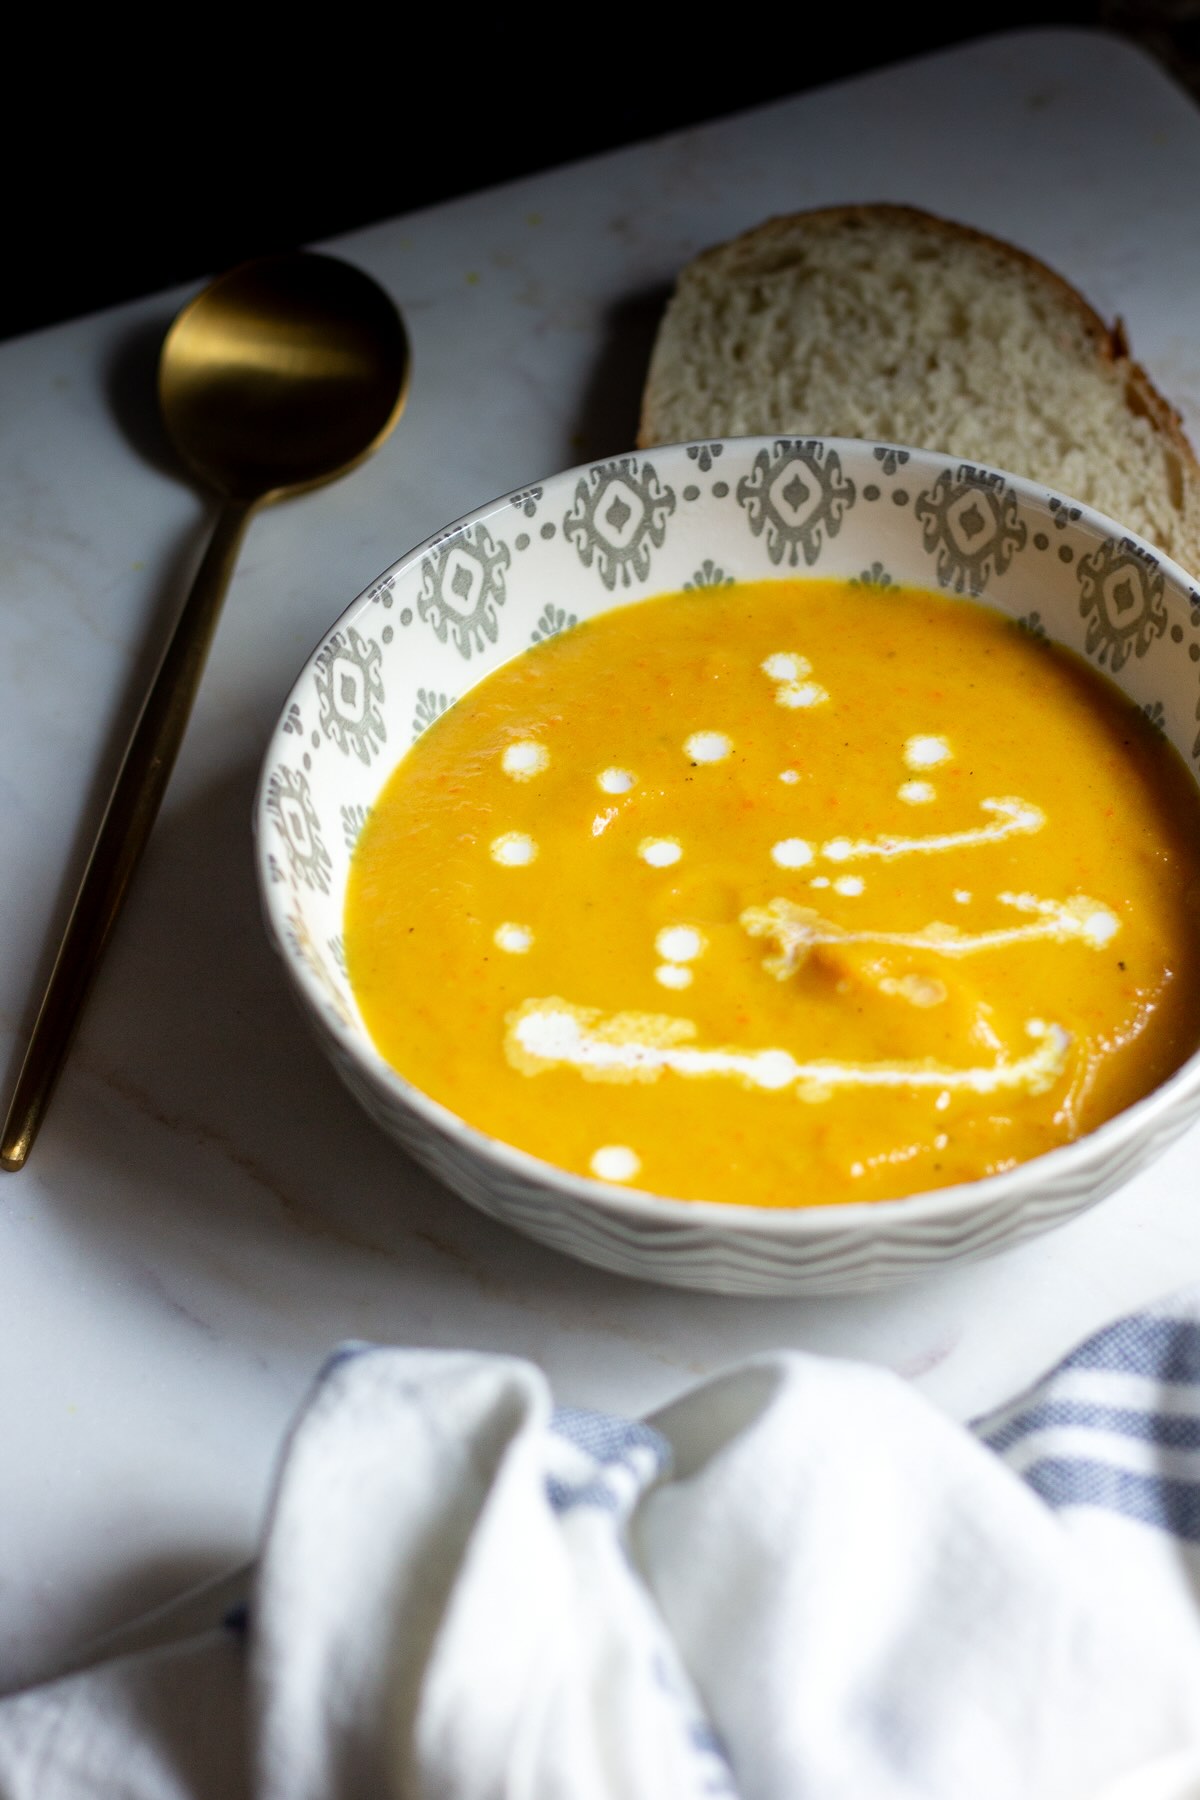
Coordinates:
[765,866]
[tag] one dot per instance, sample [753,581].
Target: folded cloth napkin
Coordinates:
[799,1581]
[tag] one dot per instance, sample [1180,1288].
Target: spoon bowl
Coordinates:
[281,375]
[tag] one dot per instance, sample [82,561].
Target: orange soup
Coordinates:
[785,893]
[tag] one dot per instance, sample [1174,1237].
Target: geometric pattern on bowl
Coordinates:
[532,563]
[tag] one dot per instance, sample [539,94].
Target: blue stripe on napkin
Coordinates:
[1172,1430]
[1172,1506]
[1067,1470]
[607,1438]
[624,1456]
[1165,1349]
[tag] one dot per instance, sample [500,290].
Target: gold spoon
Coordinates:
[281,375]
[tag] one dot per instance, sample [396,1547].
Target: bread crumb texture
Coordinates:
[887,323]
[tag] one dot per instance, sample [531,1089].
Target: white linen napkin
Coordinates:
[800,1581]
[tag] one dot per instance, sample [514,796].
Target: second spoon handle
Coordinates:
[128,818]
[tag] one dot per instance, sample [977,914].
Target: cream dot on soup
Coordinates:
[707,746]
[789,672]
[917,793]
[924,751]
[792,853]
[525,759]
[660,852]
[800,693]
[513,849]
[672,975]
[679,943]
[516,939]
[615,1162]
[784,665]
[849,884]
[616,781]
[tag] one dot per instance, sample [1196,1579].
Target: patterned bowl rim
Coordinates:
[642,1207]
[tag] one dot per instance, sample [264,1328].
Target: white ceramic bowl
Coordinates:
[694,515]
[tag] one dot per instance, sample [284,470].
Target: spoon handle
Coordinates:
[128,818]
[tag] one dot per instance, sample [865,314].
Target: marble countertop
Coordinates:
[206,1213]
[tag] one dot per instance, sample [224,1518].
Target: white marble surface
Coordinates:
[206,1213]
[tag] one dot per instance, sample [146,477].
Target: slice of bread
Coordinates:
[884,322]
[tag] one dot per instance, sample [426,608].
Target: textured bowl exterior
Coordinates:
[533,563]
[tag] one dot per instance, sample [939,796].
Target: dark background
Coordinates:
[132,167]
